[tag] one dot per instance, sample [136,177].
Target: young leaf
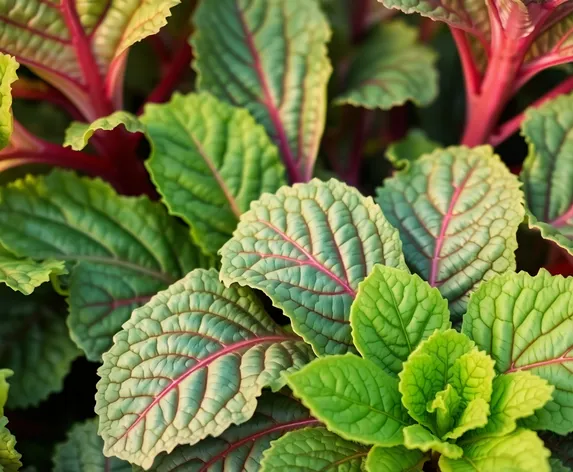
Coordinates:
[187,365]
[280,78]
[126,248]
[83,452]
[209,161]
[526,323]
[415,144]
[548,170]
[395,459]
[391,68]
[419,438]
[457,210]
[353,398]
[307,247]
[393,312]
[9,457]
[8,67]
[313,449]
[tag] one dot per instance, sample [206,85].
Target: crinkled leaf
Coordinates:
[83,452]
[393,312]
[458,210]
[391,68]
[313,449]
[189,364]
[127,248]
[419,438]
[307,247]
[9,457]
[209,162]
[395,459]
[270,57]
[415,144]
[8,67]
[353,398]
[526,323]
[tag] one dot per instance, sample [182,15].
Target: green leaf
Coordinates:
[78,134]
[125,249]
[557,466]
[240,447]
[419,438]
[189,364]
[560,447]
[4,388]
[313,449]
[547,171]
[520,451]
[307,247]
[8,67]
[209,162]
[391,68]
[415,144]
[277,68]
[395,459]
[526,323]
[9,457]
[353,398]
[82,452]
[393,312]
[458,210]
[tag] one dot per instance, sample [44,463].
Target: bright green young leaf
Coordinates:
[393,312]
[526,323]
[189,364]
[277,68]
[415,144]
[548,170]
[353,398]
[8,67]
[391,68]
[307,247]
[126,248]
[457,210]
[417,437]
[313,449]
[209,162]
[395,459]
[4,388]
[83,452]
[520,451]
[9,457]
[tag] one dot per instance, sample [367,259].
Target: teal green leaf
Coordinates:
[458,210]
[9,457]
[547,172]
[277,68]
[353,398]
[209,162]
[126,249]
[520,451]
[419,438]
[307,247]
[526,323]
[415,144]
[83,452]
[8,67]
[391,68]
[313,449]
[395,459]
[393,312]
[78,134]
[189,364]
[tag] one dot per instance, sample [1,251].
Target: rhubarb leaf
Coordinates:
[395,459]
[8,67]
[126,249]
[393,312]
[391,68]
[9,457]
[204,353]
[307,247]
[526,323]
[415,144]
[209,161]
[552,45]
[417,437]
[83,452]
[313,449]
[353,398]
[458,210]
[277,68]
[548,170]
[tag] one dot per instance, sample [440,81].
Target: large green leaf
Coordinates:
[189,364]
[270,57]
[8,67]
[313,449]
[457,210]
[391,68]
[307,247]
[395,459]
[416,437]
[353,397]
[126,249]
[526,323]
[9,457]
[548,170]
[393,312]
[209,162]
